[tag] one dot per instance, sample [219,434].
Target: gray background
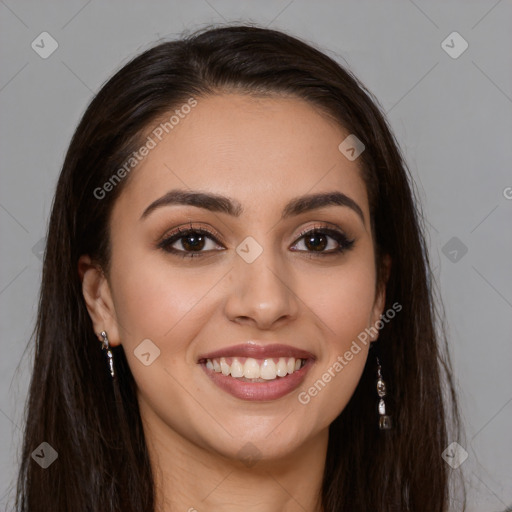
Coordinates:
[452,118]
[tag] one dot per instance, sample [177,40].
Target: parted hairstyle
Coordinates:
[94,423]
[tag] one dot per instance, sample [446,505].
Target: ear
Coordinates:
[380,296]
[98,299]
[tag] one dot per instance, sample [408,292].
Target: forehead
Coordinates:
[260,150]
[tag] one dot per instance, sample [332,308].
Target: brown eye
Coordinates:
[317,240]
[193,242]
[186,242]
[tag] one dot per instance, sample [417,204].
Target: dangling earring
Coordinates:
[384,419]
[109,352]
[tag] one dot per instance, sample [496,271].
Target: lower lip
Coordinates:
[259,391]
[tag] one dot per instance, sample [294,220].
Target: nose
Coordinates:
[261,293]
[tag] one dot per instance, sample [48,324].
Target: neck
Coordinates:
[191,478]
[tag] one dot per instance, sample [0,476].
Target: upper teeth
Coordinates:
[266,369]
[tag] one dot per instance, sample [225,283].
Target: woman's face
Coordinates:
[250,283]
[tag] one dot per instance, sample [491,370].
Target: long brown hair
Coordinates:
[94,424]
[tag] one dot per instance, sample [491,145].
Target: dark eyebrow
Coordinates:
[208,201]
[311,202]
[218,203]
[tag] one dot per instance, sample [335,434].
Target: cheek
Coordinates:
[155,301]
[343,300]
[167,307]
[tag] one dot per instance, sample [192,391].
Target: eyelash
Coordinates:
[344,243]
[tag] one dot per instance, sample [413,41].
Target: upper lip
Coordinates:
[258,351]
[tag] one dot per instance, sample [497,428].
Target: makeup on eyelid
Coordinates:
[181,233]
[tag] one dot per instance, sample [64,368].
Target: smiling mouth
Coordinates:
[249,369]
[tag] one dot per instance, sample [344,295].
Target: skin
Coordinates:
[261,152]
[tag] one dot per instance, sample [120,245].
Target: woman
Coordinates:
[235,227]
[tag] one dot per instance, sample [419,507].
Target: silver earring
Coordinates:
[109,352]
[384,419]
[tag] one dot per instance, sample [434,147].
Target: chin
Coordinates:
[250,446]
